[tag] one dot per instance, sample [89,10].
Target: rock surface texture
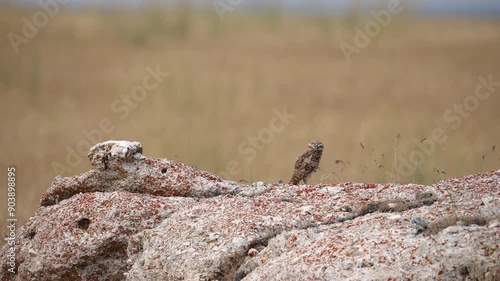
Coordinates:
[138,218]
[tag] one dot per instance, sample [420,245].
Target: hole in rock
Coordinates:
[83,223]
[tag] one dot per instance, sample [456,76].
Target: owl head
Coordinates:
[316,145]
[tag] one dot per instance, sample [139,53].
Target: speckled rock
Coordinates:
[120,166]
[137,218]
[86,236]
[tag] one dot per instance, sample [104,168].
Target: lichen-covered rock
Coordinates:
[120,166]
[137,218]
[86,236]
[381,247]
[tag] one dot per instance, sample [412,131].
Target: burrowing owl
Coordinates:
[307,163]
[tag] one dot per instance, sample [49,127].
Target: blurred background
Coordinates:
[250,84]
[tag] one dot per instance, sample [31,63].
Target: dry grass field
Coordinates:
[227,79]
